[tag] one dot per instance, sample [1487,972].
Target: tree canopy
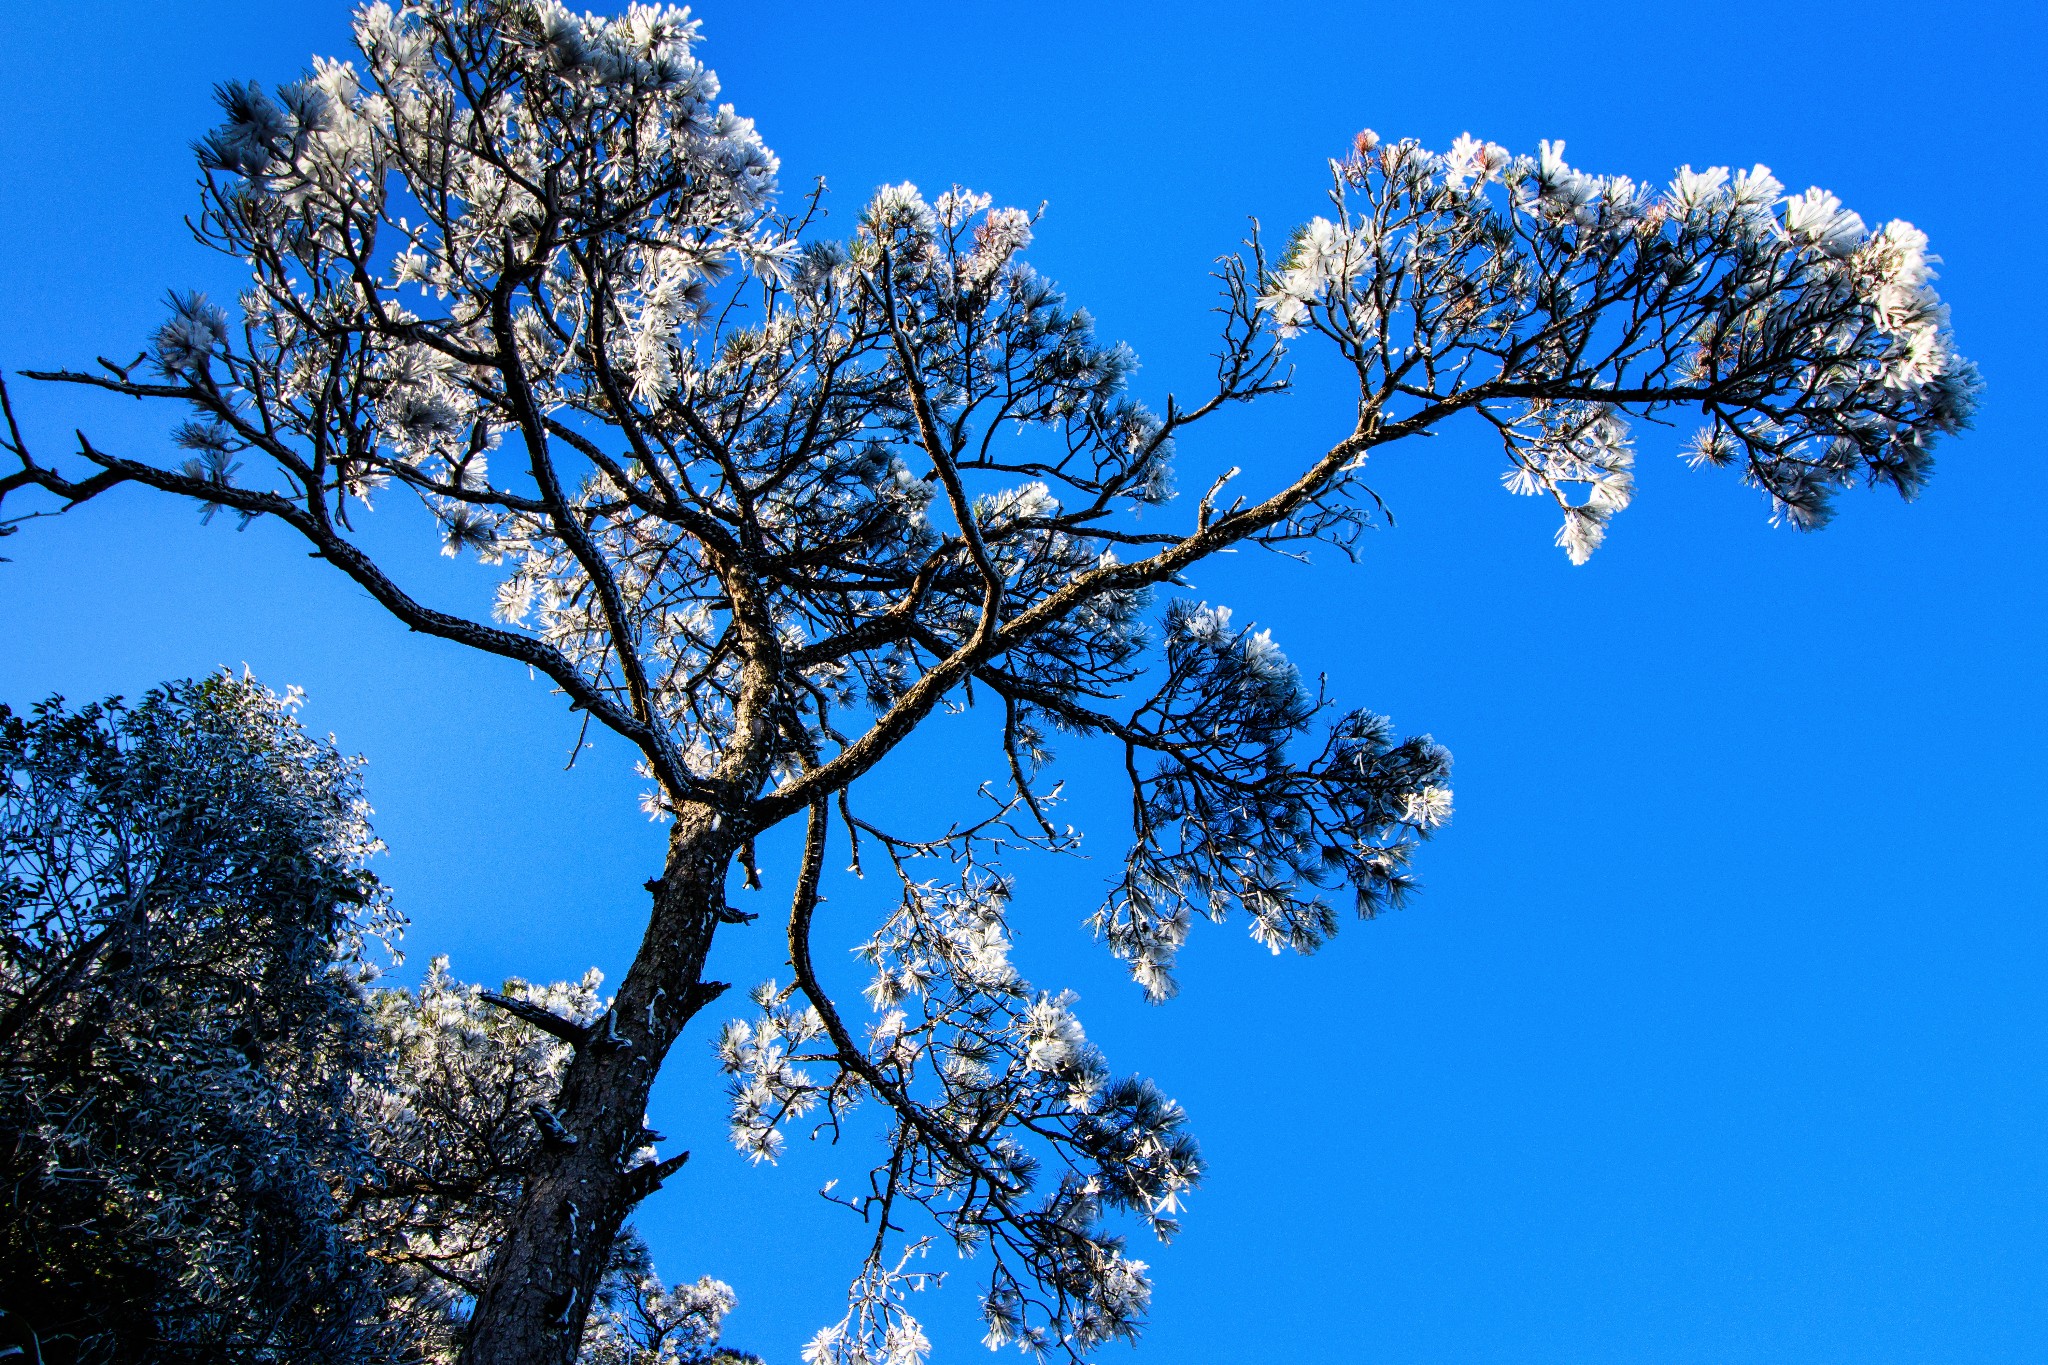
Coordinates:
[765,500]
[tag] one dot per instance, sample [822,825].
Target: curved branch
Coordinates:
[351,560]
[803,904]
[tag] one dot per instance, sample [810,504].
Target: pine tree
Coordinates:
[764,501]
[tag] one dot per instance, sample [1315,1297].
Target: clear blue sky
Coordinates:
[1718,1035]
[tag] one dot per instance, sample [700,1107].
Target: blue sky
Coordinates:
[1719,1033]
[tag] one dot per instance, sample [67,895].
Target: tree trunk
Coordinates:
[538,1291]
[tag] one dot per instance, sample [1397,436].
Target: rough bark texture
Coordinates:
[535,1302]
[538,1294]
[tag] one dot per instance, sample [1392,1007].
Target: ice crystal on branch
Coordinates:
[1004,1124]
[1550,300]
[1231,816]
[763,501]
[639,1320]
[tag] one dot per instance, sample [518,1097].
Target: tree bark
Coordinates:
[538,1291]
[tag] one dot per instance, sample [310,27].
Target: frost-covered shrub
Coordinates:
[184,907]
[218,1142]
